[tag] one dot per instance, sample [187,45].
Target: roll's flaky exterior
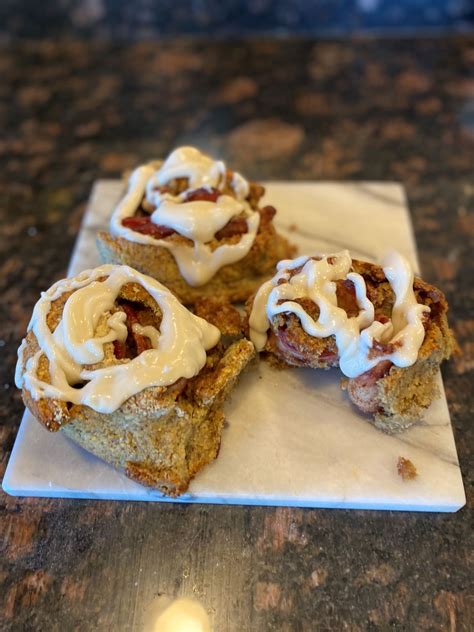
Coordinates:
[160,435]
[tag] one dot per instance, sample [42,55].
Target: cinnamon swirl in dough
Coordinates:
[196,227]
[385,329]
[118,364]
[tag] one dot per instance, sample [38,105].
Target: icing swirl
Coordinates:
[355,336]
[178,349]
[197,220]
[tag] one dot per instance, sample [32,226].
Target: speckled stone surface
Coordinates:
[293,109]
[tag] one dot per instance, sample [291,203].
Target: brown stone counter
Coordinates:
[72,112]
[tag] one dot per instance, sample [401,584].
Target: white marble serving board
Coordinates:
[292,437]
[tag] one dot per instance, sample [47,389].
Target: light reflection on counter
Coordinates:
[180,615]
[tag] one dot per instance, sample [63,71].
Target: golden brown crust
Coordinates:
[207,386]
[51,413]
[221,314]
[164,447]
[200,448]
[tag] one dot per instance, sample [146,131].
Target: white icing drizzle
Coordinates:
[150,332]
[189,162]
[240,186]
[196,220]
[356,335]
[178,350]
[199,220]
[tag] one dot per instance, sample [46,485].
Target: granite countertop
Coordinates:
[72,112]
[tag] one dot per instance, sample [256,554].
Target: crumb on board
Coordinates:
[292,228]
[406,469]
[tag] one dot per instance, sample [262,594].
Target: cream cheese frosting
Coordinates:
[178,349]
[355,336]
[196,220]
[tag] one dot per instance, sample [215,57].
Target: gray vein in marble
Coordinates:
[400,438]
[386,199]
[337,245]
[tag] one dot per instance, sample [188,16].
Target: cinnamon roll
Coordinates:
[196,227]
[386,330]
[114,361]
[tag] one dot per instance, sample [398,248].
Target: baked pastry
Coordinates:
[386,330]
[114,361]
[196,227]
